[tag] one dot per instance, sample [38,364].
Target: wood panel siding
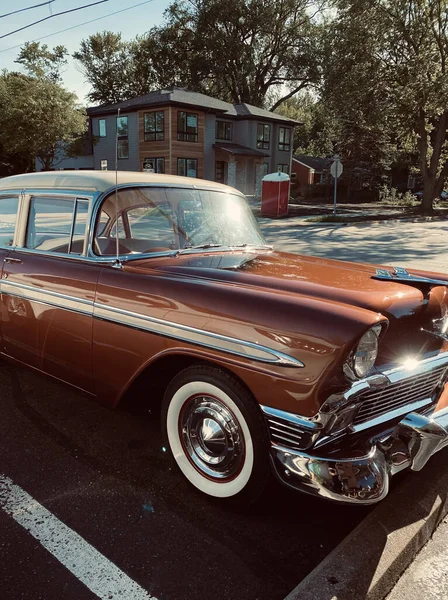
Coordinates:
[171,148]
[187,149]
[156,148]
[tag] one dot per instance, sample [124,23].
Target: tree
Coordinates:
[236,50]
[13,163]
[320,128]
[39,61]
[108,65]
[388,74]
[36,115]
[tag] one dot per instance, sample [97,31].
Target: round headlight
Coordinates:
[365,354]
[363,357]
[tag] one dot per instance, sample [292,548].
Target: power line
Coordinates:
[65,12]
[14,12]
[80,25]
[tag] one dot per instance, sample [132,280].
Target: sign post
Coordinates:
[336,170]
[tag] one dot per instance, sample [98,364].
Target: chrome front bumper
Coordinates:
[363,477]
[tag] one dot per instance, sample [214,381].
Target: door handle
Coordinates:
[9,260]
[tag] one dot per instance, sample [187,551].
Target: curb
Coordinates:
[369,561]
[378,221]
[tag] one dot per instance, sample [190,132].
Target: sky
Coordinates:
[129,23]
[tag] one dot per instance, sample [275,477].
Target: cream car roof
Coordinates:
[100,181]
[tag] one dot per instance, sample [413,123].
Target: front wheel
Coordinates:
[216,434]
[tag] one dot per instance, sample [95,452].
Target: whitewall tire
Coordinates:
[216,434]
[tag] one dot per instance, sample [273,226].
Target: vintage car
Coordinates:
[330,375]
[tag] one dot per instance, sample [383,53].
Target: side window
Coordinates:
[57,225]
[79,227]
[8,217]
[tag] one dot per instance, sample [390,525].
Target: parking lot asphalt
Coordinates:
[421,245]
[103,475]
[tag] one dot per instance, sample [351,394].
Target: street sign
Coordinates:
[337,168]
[104,165]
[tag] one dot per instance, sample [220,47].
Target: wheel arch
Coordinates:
[156,375]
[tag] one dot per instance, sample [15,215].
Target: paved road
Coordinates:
[422,245]
[103,474]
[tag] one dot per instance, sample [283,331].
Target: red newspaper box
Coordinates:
[274,195]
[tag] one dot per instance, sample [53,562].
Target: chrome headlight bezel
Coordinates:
[353,368]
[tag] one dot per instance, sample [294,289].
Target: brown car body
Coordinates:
[282,325]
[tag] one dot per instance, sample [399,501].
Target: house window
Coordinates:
[123,139]
[154,124]
[263,136]
[283,168]
[187,127]
[223,130]
[154,165]
[102,127]
[220,167]
[187,167]
[284,139]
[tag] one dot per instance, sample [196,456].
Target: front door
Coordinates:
[48,291]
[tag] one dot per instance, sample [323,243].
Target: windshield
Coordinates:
[154,219]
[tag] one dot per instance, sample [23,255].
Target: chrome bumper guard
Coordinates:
[364,479]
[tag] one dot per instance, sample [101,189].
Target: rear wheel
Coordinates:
[216,434]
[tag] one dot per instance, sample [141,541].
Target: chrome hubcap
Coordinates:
[212,437]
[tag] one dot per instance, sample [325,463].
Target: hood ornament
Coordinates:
[400,275]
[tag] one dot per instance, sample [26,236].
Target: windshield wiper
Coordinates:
[200,247]
[254,246]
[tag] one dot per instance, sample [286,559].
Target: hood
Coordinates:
[347,283]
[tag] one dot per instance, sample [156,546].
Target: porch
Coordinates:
[240,167]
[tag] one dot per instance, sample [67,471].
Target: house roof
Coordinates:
[237,149]
[99,181]
[313,162]
[183,97]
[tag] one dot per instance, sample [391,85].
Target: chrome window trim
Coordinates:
[19,195]
[24,211]
[100,197]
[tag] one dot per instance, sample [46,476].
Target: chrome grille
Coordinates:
[398,395]
[287,434]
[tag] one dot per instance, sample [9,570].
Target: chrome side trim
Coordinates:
[192,335]
[55,299]
[169,329]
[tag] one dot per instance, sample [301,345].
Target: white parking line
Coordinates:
[91,567]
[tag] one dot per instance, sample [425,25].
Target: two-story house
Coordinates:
[180,132]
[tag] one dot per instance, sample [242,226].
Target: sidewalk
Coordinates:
[427,577]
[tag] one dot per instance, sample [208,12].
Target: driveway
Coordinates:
[421,245]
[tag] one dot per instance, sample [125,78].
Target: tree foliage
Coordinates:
[39,61]
[386,79]
[236,50]
[37,114]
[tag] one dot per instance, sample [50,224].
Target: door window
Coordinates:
[57,225]
[8,218]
